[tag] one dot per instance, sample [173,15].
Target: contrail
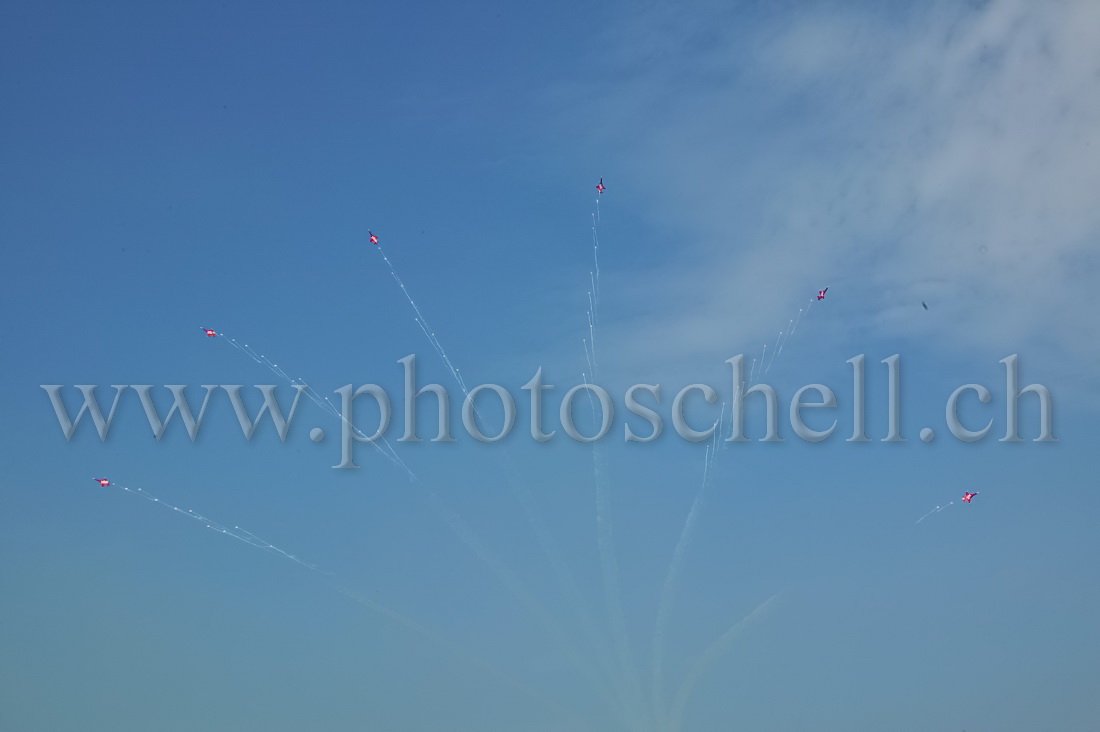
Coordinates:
[563,576]
[342,586]
[709,656]
[668,590]
[937,509]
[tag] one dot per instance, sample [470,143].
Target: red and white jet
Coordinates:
[210,333]
[967,495]
[821,293]
[373,237]
[103,482]
[601,187]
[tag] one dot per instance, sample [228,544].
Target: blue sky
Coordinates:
[218,165]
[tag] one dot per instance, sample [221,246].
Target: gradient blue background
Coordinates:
[218,164]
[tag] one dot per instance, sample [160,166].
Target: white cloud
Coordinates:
[947,154]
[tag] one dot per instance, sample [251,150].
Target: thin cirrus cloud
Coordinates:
[941,154]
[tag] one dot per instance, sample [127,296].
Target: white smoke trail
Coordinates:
[708,657]
[937,509]
[774,352]
[344,588]
[605,534]
[322,402]
[668,590]
[564,577]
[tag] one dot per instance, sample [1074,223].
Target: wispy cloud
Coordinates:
[946,154]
